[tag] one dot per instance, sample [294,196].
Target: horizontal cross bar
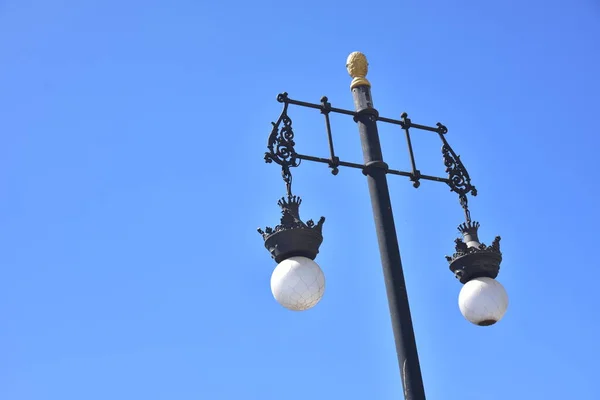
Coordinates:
[331,163]
[319,107]
[323,108]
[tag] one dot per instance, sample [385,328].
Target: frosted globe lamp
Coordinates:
[298,283]
[483,301]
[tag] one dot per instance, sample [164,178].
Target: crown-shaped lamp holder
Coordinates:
[292,237]
[473,259]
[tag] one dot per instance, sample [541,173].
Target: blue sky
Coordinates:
[132,182]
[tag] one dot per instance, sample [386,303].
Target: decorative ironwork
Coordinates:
[281,150]
[459,179]
[292,237]
[281,144]
[473,259]
[281,140]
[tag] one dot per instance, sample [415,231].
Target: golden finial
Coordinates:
[358,67]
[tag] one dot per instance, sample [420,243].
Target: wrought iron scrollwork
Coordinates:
[281,150]
[458,177]
[281,144]
[441,129]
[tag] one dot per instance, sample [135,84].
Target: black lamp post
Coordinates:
[298,282]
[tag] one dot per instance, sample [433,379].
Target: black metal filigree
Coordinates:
[281,145]
[461,248]
[459,179]
[290,217]
[281,140]
[473,259]
[292,237]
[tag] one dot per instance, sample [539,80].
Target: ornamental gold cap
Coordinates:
[358,67]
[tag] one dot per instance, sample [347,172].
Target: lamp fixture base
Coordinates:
[473,259]
[292,237]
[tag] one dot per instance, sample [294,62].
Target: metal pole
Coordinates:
[375,170]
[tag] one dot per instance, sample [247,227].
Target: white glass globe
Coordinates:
[298,283]
[483,301]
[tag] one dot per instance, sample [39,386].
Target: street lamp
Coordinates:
[298,282]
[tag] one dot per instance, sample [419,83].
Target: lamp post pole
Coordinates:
[298,282]
[376,171]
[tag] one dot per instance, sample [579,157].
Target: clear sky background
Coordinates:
[132,182]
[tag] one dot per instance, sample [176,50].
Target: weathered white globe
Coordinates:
[483,301]
[298,283]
